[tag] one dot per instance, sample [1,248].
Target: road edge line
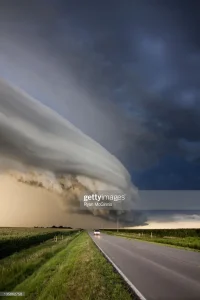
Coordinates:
[130,284]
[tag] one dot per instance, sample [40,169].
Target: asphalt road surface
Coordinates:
[157,271]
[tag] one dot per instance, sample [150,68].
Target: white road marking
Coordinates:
[135,290]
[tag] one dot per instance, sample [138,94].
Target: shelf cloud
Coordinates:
[41,148]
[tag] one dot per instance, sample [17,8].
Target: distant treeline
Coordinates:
[64,227]
[162,232]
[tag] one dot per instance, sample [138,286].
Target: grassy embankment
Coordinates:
[72,268]
[183,238]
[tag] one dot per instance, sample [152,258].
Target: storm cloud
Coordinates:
[134,65]
[40,148]
[126,74]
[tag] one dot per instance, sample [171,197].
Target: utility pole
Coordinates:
[117,224]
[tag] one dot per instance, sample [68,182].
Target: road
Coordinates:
[157,271]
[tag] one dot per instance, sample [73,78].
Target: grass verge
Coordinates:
[187,243]
[79,272]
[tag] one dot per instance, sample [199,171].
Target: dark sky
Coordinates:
[127,73]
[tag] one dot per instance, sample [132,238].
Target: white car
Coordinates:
[96,232]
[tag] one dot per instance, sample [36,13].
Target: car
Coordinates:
[96,232]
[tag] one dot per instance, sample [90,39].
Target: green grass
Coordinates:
[179,232]
[79,271]
[15,239]
[18,232]
[192,243]
[17,267]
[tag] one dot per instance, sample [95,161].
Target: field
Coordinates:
[185,238]
[71,268]
[16,239]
